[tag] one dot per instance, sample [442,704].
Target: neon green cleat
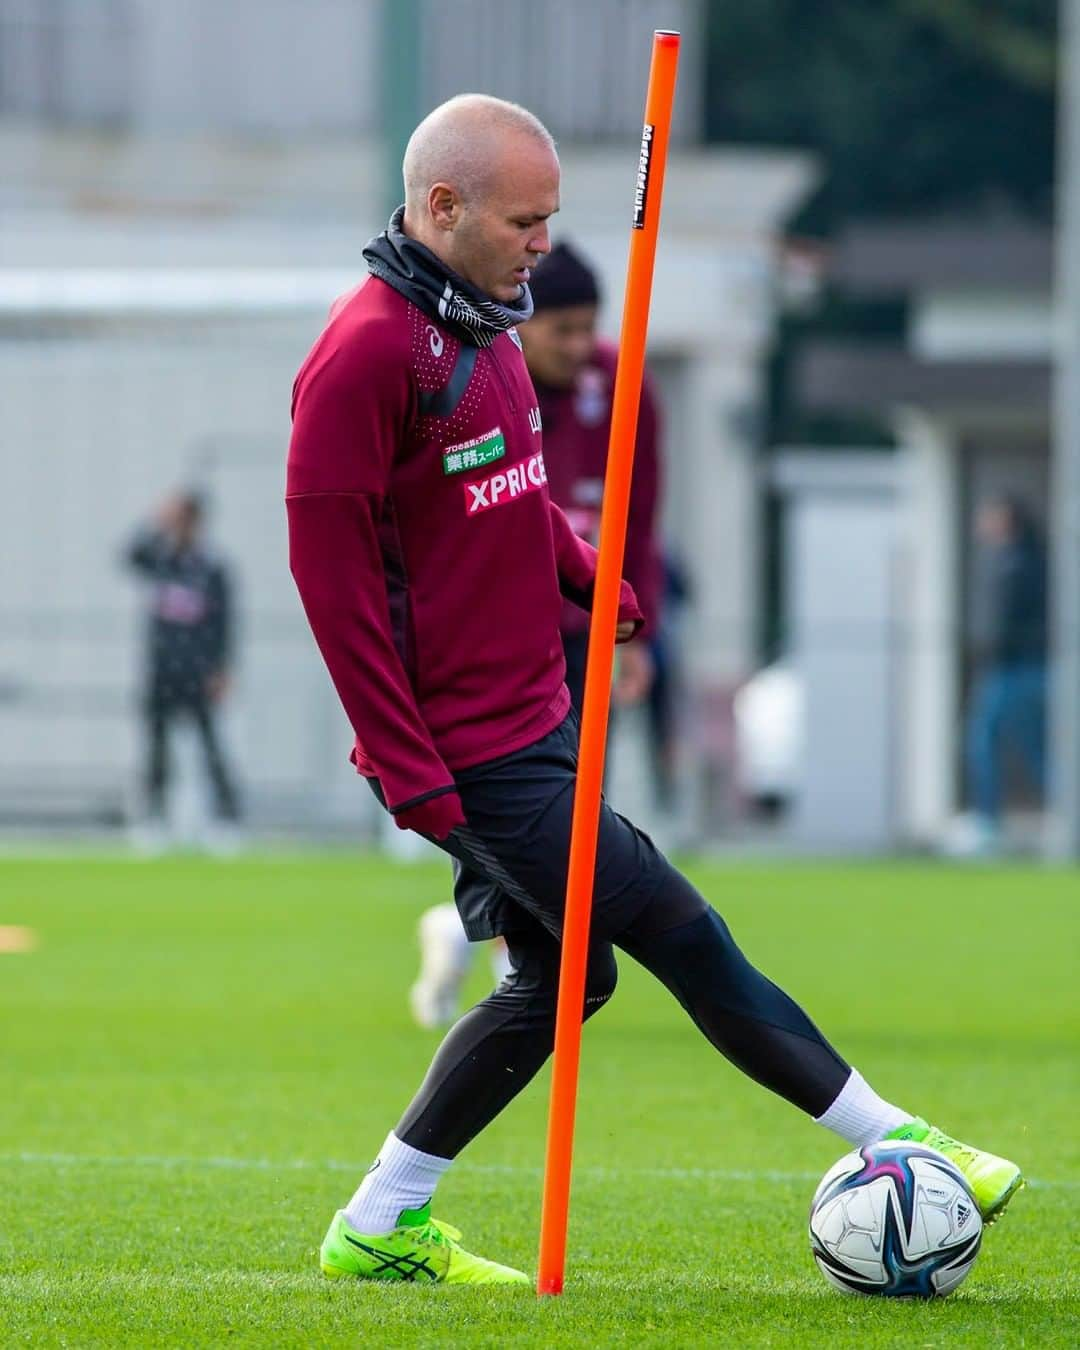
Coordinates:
[419,1249]
[993,1180]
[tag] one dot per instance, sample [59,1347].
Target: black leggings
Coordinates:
[159,713]
[497,1047]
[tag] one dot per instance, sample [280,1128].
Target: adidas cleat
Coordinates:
[993,1180]
[420,1250]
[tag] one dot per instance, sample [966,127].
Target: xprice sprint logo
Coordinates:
[506,485]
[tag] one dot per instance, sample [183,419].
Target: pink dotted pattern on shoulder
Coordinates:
[434,355]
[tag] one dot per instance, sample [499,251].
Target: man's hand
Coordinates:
[625,630]
[436,817]
[635,674]
[169,514]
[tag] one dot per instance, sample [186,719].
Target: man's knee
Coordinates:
[534,980]
[600,978]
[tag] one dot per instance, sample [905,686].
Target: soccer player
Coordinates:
[573,373]
[432,566]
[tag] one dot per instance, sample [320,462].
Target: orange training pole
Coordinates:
[579,886]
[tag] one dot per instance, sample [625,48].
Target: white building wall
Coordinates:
[844,604]
[981,326]
[930,565]
[96,431]
[268,67]
[299,67]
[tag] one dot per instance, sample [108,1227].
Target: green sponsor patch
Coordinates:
[474,454]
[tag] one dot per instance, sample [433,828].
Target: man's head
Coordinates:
[481,180]
[181,517]
[1002,519]
[559,339]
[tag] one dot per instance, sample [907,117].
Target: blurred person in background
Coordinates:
[1007,704]
[188,650]
[769,717]
[431,562]
[665,688]
[573,372]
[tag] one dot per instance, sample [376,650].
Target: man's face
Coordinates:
[559,343]
[187,524]
[993,524]
[498,237]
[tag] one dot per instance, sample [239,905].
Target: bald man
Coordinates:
[433,566]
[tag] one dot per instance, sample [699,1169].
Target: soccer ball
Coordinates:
[895,1219]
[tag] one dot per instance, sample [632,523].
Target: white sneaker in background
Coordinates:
[971,837]
[224,839]
[445,958]
[150,838]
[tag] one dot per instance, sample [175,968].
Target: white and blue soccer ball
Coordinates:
[895,1219]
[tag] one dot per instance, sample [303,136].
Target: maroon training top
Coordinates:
[425,548]
[577,427]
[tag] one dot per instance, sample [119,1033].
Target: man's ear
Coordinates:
[444,206]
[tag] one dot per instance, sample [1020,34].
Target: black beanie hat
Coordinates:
[561,279]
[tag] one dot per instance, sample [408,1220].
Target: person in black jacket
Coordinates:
[1007,709]
[188,645]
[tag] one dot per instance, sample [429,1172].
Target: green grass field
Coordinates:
[199,1060]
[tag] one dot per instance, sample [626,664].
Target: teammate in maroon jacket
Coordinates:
[432,566]
[573,373]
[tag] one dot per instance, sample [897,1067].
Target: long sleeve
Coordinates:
[576,564]
[145,553]
[348,421]
[337,565]
[220,643]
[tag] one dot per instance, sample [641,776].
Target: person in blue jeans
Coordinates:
[1007,709]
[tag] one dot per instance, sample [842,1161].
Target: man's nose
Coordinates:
[541,240]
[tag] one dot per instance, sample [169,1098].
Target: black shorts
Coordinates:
[511,858]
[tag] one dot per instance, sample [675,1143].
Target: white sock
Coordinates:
[400,1178]
[859,1115]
